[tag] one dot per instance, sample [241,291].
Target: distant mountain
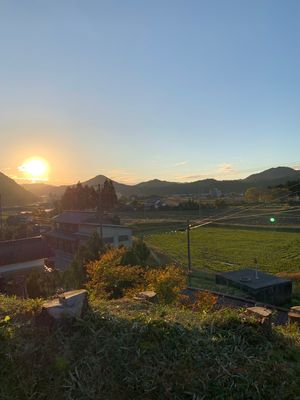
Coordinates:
[13,194]
[44,189]
[280,174]
[100,179]
[270,177]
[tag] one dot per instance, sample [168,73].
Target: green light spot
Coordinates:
[272,219]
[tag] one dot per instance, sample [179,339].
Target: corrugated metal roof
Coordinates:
[21,250]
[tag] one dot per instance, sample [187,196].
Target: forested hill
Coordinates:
[13,194]
[270,177]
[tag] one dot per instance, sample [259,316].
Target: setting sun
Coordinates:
[35,169]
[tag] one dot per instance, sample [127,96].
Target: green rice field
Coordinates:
[226,248]
[219,249]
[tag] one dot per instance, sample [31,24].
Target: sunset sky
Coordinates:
[135,90]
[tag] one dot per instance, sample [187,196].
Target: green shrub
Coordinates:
[167,282]
[109,279]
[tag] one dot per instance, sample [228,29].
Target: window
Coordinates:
[108,240]
[123,238]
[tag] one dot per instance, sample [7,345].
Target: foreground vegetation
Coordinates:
[178,348]
[127,350]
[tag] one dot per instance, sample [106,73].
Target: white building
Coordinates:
[73,228]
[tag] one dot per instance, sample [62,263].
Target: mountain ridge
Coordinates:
[271,176]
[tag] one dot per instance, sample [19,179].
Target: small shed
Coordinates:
[266,288]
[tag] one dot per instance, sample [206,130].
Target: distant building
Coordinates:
[152,203]
[216,193]
[18,258]
[72,229]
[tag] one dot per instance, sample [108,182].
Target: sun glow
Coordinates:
[35,169]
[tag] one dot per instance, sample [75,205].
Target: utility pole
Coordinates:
[199,200]
[189,247]
[100,212]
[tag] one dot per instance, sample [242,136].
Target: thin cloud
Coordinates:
[226,169]
[122,176]
[191,177]
[181,163]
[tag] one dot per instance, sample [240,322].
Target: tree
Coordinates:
[81,197]
[43,283]
[141,250]
[252,194]
[75,275]
[108,196]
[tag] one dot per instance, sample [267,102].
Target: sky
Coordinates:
[140,89]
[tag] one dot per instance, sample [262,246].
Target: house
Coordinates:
[72,229]
[152,203]
[18,258]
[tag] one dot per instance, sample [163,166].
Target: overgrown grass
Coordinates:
[127,350]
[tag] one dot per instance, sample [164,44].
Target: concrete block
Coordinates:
[68,305]
[148,295]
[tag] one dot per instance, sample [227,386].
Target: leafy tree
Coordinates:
[108,196]
[220,203]
[188,205]
[43,283]
[75,275]
[141,250]
[81,197]
[252,194]
[33,286]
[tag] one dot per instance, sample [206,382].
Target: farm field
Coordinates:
[227,249]
[285,218]
[219,249]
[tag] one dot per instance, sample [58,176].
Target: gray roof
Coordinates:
[75,217]
[247,277]
[22,250]
[60,235]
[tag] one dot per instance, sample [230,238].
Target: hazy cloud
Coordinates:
[187,178]
[226,169]
[122,176]
[181,163]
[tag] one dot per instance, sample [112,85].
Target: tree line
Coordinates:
[83,197]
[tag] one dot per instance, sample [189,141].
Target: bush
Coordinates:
[199,302]
[43,283]
[167,282]
[75,275]
[109,279]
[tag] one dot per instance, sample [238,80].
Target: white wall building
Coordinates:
[72,229]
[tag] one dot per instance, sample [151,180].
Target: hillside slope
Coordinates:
[13,194]
[274,175]
[127,350]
